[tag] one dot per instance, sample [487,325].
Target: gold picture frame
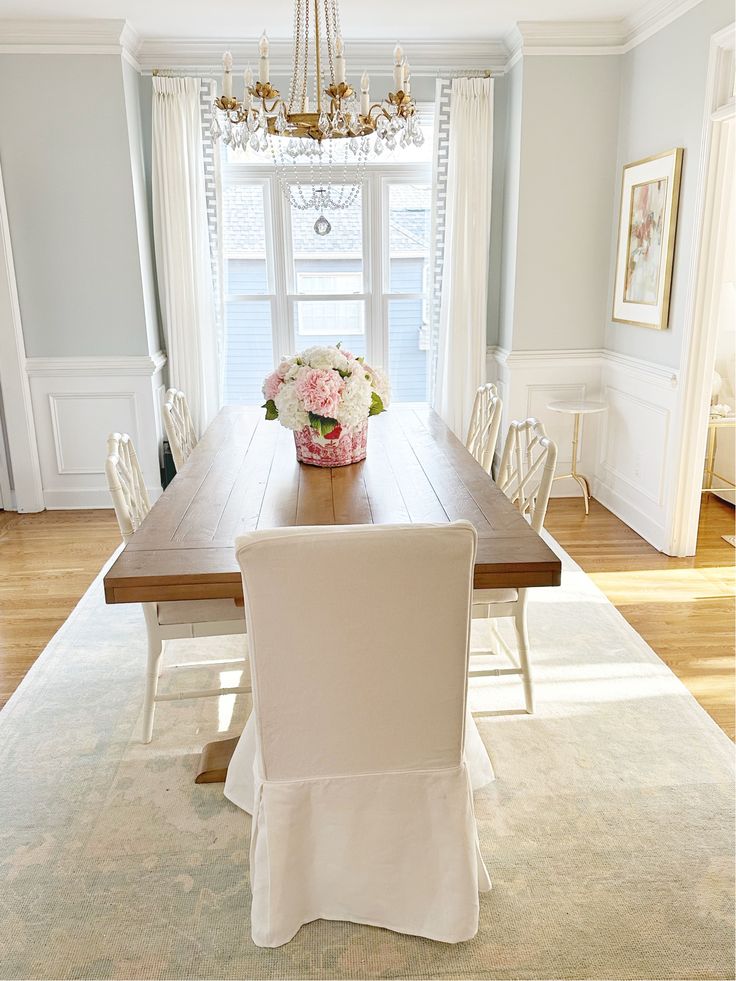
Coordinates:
[645,249]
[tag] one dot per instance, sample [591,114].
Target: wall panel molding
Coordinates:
[77,402]
[626,450]
[68,428]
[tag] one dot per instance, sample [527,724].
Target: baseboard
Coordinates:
[641,523]
[94,498]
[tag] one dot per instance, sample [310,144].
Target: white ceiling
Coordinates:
[369,19]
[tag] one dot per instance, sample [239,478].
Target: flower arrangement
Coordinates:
[326,395]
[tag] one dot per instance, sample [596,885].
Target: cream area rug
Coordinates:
[608,833]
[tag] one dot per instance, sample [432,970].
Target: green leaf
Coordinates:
[322,424]
[343,374]
[338,345]
[271,411]
[376,404]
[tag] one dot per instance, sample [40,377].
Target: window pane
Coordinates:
[244,238]
[249,353]
[247,276]
[330,321]
[408,343]
[330,263]
[409,231]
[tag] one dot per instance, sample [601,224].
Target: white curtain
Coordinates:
[462,333]
[182,246]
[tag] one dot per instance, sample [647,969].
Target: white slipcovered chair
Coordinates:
[164,621]
[485,422]
[179,427]
[525,475]
[352,761]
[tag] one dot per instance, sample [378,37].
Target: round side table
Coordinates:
[577,409]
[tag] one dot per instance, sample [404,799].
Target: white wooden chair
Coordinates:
[485,422]
[179,427]
[525,475]
[164,621]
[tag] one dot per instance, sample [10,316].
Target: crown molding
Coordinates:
[535,37]
[427,57]
[51,36]
[652,17]
[595,37]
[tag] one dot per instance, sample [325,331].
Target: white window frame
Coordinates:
[375,295]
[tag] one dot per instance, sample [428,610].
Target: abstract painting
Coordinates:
[646,240]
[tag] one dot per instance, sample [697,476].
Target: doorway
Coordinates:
[710,308]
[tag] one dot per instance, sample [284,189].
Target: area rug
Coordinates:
[608,832]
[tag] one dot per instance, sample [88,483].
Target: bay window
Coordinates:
[365,284]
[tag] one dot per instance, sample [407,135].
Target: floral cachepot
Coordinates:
[348,446]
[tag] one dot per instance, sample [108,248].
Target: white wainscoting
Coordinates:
[633,477]
[529,380]
[626,451]
[77,402]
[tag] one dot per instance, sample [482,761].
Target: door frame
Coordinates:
[701,329]
[19,423]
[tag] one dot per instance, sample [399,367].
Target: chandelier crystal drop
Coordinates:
[326,135]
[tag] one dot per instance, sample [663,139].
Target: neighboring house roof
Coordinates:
[244,231]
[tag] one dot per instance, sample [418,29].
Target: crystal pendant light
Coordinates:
[322,226]
[331,142]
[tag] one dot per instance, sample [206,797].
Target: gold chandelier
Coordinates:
[324,130]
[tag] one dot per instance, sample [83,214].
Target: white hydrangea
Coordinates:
[325,357]
[291,413]
[381,385]
[356,400]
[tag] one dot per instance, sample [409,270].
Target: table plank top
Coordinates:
[243,475]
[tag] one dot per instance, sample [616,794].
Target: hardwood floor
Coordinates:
[683,608]
[47,561]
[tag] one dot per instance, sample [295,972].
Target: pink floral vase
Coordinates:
[349,446]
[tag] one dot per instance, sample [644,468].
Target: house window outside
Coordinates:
[365,284]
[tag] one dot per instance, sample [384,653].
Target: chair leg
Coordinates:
[522,641]
[155,650]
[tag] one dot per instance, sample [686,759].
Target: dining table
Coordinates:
[243,476]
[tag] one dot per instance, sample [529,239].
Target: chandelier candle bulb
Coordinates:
[406,83]
[247,85]
[398,67]
[263,70]
[365,99]
[227,78]
[339,61]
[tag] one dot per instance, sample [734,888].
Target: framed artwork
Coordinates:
[646,240]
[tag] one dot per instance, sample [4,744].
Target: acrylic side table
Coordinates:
[577,409]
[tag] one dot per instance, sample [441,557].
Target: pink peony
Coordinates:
[272,385]
[319,390]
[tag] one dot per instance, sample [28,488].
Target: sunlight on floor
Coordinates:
[667,585]
[226,703]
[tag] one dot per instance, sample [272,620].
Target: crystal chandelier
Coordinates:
[322,128]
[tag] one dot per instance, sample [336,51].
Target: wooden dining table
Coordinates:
[243,476]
